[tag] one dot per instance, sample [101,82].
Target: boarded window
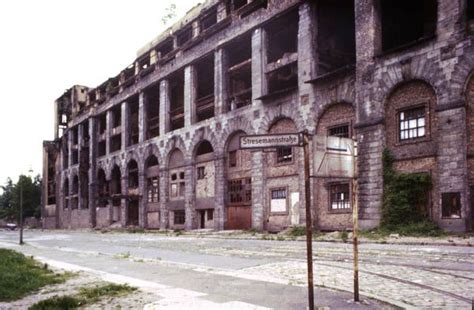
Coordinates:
[451,205]
[412,123]
[340,196]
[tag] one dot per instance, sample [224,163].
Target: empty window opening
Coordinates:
[116,186]
[185,35]
[407,21]
[132,175]
[165,48]
[101,149]
[451,205]
[176,85]
[284,78]
[284,155]
[92,96]
[75,157]
[116,135]
[240,191]
[153,111]
[85,133]
[239,72]
[102,128]
[51,178]
[209,20]
[75,136]
[201,172]
[470,10]
[102,124]
[341,131]
[133,121]
[205,88]
[179,217]
[339,196]
[336,35]
[84,184]
[144,65]
[233,159]
[116,117]
[127,76]
[247,7]
[66,194]
[65,153]
[115,143]
[102,189]
[153,180]
[412,123]
[113,86]
[75,192]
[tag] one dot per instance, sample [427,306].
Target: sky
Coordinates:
[48,46]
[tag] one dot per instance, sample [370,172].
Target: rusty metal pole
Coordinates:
[309,224]
[355,217]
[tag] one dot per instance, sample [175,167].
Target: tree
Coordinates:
[10,199]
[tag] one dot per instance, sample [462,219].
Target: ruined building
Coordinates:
[157,144]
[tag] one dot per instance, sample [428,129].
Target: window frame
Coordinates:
[283,163]
[349,131]
[457,196]
[183,217]
[330,197]
[426,127]
[287,196]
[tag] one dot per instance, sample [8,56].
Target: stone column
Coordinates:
[164,196]
[142,117]
[189,198]
[108,131]
[259,56]
[92,171]
[164,107]
[189,95]
[79,145]
[125,124]
[220,92]
[219,206]
[124,201]
[258,190]
[142,200]
[69,148]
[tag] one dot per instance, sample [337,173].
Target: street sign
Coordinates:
[334,157]
[270,141]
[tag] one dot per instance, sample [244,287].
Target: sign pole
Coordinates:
[309,224]
[355,217]
[21,214]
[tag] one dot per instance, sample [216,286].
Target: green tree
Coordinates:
[10,199]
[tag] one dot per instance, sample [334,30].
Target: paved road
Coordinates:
[237,274]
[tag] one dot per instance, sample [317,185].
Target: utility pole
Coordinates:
[21,213]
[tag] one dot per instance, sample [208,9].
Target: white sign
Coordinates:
[270,140]
[278,205]
[334,157]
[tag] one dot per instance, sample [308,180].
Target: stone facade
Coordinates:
[157,145]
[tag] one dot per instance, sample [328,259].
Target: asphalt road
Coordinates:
[193,272]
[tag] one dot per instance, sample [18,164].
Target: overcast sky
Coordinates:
[48,46]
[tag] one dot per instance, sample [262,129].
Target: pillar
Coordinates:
[189,95]
[220,92]
[164,107]
[125,124]
[92,171]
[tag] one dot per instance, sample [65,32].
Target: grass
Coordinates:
[86,295]
[418,229]
[21,275]
[298,231]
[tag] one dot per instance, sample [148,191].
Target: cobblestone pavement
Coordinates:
[408,276]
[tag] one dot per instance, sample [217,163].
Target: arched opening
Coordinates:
[239,184]
[132,206]
[75,191]
[333,195]
[177,187]
[66,194]
[102,189]
[205,184]
[152,171]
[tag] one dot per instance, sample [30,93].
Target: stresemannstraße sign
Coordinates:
[270,141]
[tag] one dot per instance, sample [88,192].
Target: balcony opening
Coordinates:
[336,35]
[127,76]
[102,127]
[282,57]
[153,111]
[116,134]
[144,65]
[113,86]
[176,87]
[239,72]
[116,186]
[185,35]
[133,121]
[75,150]
[405,22]
[470,10]
[75,192]
[165,48]
[132,175]
[205,88]
[209,19]
[247,7]
[102,189]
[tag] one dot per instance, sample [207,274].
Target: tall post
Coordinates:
[21,213]
[355,218]
[309,224]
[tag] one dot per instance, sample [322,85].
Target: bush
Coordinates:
[298,231]
[57,303]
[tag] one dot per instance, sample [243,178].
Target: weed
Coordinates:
[297,231]
[344,235]
[125,255]
[57,303]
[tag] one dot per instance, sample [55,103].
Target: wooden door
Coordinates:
[239,217]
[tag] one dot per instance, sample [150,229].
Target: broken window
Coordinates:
[153,180]
[247,7]
[66,194]
[127,76]
[282,56]
[65,153]
[179,217]
[341,131]
[132,175]
[209,19]
[116,133]
[185,35]
[239,72]
[176,86]
[451,205]
[335,35]
[470,10]
[113,86]
[102,189]
[407,21]
[153,111]
[133,121]
[284,155]
[205,88]
[339,196]
[240,191]
[165,48]
[412,123]
[177,185]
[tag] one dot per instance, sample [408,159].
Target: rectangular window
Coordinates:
[240,191]
[451,205]
[412,123]
[278,200]
[153,189]
[284,155]
[339,131]
[201,173]
[340,196]
[179,217]
[233,159]
[174,190]
[210,215]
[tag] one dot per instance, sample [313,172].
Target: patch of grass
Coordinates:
[21,275]
[58,303]
[136,230]
[125,255]
[344,235]
[298,231]
[424,228]
[86,295]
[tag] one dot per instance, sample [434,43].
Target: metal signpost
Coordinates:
[287,140]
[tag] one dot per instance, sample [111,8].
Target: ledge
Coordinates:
[369,123]
[451,106]
[277,93]
[332,75]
